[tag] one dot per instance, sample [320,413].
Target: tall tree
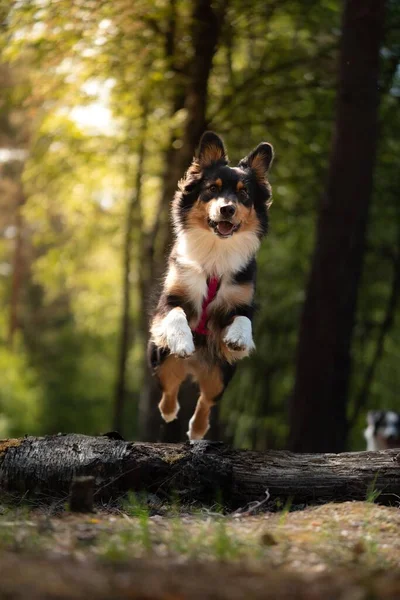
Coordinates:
[318,406]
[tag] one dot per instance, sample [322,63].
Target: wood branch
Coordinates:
[202,472]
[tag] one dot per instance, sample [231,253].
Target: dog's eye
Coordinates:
[213,189]
[243,193]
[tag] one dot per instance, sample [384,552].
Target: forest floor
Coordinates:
[341,551]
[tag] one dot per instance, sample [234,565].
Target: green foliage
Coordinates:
[372,493]
[20,394]
[134,506]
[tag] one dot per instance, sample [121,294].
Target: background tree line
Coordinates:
[102,106]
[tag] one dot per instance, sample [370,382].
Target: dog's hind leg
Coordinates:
[171,374]
[211,387]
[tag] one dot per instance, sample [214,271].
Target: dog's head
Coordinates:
[221,199]
[383,430]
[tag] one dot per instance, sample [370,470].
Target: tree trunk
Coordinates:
[133,218]
[199,472]
[205,32]
[318,407]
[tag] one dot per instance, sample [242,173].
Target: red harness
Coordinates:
[212,288]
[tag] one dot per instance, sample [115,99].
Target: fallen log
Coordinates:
[203,472]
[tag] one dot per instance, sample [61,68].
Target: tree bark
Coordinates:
[318,407]
[202,472]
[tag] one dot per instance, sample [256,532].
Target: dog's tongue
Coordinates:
[224,227]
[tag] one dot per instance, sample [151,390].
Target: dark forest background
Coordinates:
[102,105]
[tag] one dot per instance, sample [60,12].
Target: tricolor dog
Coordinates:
[383,431]
[203,321]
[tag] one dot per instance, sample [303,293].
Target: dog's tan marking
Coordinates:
[218,182]
[258,165]
[171,374]
[248,218]
[211,385]
[244,213]
[197,216]
[211,154]
[232,356]
[239,186]
[231,295]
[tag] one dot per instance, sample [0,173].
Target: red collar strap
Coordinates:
[212,288]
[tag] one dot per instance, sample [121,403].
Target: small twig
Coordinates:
[251,507]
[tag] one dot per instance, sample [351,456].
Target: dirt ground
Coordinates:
[340,551]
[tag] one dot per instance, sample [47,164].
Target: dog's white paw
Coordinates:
[178,336]
[193,435]
[238,335]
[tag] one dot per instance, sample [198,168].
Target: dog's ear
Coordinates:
[211,149]
[259,159]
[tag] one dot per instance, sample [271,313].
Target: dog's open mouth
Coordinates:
[223,228]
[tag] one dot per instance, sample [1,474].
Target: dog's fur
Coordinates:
[219,215]
[383,431]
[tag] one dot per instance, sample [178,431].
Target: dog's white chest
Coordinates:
[210,256]
[196,285]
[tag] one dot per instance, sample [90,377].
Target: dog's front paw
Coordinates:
[181,344]
[178,335]
[238,335]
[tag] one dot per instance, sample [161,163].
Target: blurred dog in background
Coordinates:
[383,431]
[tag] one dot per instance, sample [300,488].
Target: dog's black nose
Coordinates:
[227,211]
